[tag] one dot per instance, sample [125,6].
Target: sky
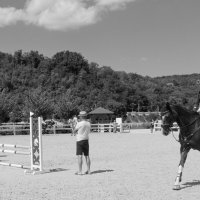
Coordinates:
[148,37]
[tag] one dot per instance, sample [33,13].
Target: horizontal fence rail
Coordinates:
[124,127]
[110,127]
[158,127]
[14,128]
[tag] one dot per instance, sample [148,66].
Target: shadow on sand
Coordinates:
[56,170]
[102,171]
[3,155]
[190,184]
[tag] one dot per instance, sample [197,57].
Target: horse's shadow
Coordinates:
[190,184]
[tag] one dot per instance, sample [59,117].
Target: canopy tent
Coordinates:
[101,115]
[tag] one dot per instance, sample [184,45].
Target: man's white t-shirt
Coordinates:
[83,128]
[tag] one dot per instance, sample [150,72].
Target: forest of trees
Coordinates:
[61,86]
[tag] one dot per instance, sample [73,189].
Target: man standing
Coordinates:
[82,131]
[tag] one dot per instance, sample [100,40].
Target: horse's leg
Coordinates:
[178,179]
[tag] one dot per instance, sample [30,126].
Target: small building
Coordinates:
[101,116]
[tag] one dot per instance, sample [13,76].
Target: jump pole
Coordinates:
[34,150]
[36,146]
[15,165]
[3,150]
[14,151]
[14,146]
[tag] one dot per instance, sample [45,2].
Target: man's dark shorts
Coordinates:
[82,147]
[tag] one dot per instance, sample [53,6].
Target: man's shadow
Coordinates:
[57,170]
[190,184]
[101,171]
[93,172]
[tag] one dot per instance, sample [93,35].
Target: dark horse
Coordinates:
[189,136]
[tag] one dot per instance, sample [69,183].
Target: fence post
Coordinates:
[14,130]
[54,129]
[102,128]
[121,128]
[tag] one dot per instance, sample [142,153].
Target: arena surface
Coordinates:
[128,166]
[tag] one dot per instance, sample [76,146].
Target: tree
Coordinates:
[37,102]
[4,108]
[64,108]
[66,83]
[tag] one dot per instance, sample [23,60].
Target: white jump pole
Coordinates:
[14,151]
[15,165]
[40,142]
[36,146]
[14,146]
[40,166]
[31,136]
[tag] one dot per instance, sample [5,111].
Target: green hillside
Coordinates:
[67,82]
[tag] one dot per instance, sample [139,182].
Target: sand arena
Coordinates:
[135,165]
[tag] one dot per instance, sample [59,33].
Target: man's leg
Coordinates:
[88,163]
[80,162]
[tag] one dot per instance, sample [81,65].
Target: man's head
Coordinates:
[83,115]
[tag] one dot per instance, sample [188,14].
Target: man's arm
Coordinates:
[75,130]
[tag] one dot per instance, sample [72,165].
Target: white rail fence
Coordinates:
[124,127]
[15,129]
[157,127]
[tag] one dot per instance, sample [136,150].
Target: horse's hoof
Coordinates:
[176,187]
